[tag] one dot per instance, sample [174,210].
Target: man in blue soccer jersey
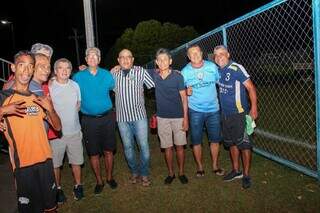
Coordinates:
[200,77]
[234,86]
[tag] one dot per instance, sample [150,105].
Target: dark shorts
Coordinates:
[98,133]
[199,120]
[36,188]
[233,131]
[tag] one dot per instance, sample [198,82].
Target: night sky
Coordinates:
[51,21]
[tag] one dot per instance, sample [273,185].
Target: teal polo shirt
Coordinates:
[95,91]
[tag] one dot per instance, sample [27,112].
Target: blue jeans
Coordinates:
[199,120]
[139,129]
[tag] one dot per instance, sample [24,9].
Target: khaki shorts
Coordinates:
[167,126]
[72,144]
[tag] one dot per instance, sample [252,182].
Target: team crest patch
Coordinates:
[233,67]
[32,110]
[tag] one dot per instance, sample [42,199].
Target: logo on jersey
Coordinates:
[32,110]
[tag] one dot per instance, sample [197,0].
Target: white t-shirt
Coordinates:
[65,98]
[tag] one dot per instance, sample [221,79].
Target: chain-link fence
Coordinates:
[275,44]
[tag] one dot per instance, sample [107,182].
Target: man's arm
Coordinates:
[185,124]
[52,117]
[253,98]
[148,80]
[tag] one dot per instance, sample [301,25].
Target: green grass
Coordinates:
[275,188]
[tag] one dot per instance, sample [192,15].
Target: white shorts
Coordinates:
[72,144]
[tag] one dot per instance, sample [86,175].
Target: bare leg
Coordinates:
[57,176]
[95,164]
[234,154]
[214,150]
[197,153]
[246,161]
[180,159]
[108,160]
[169,159]
[76,171]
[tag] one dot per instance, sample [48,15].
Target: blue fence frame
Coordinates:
[313,171]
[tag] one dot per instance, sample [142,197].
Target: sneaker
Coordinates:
[169,179]
[112,183]
[246,182]
[61,198]
[98,188]
[78,192]
[145,181]
[183,179]
[232,176]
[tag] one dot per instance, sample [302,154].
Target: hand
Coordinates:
[82,67]
[14,108]
[189,91]
[116,69]
[45,102]
[253,113]
[185,125]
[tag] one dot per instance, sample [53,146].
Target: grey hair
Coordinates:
[38,46]
[62,60]
[93,49]
[220,47]
[163,51]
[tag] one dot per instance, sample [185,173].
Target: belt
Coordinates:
[100,115]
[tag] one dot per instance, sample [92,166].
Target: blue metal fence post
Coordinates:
[316,40]
[224,34]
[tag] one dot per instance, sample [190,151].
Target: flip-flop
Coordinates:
[219,172]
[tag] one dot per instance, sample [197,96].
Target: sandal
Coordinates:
[145,181]
[200,173]
[219,172]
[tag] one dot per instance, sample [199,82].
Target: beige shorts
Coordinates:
[72,144]
[167,126]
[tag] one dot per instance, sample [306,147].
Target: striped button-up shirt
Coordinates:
[129,93]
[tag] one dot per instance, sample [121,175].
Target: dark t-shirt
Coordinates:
[168,99]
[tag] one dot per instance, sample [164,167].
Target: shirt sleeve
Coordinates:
[180,82]
[147,79]
[111,81]
[242,74]
[78,91]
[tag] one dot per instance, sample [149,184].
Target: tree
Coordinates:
[147,37]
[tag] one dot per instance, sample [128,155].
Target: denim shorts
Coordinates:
[209,120]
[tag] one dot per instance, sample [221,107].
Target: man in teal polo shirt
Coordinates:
[98,125]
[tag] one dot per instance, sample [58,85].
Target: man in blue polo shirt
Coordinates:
[234,83]
[172,113]
[200,77]
[98,125]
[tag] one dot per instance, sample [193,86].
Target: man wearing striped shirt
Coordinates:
[131,114]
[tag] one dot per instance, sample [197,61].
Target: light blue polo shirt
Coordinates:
[95,91]
[203,81]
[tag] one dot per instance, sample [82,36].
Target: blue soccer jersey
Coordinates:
[203,81]
[232,92]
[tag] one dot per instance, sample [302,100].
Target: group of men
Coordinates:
[183,99]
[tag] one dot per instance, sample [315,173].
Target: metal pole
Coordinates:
[88,23]
[13,38]
[75,32]
[316,45]
[96,23]
[224,35]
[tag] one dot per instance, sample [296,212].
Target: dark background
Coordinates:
[51,21]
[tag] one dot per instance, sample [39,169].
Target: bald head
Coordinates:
[125,59]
